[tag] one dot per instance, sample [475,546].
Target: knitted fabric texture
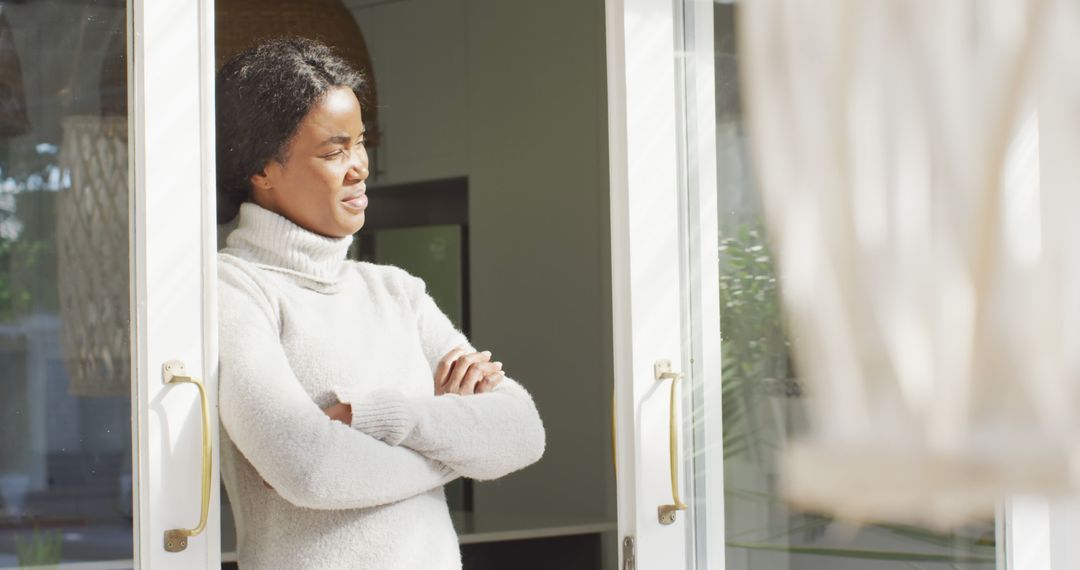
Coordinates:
[301,328]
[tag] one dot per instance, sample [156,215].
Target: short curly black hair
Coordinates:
[262,95]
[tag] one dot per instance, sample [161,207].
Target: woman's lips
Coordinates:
[358,203]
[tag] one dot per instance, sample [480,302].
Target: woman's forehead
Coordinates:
[335,115]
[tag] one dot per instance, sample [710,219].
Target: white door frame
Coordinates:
[1036,533]
[646,271]
[174,271]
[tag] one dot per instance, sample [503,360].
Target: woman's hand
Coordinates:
[466,373]
[340,412]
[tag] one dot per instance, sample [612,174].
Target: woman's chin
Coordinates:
[354,223]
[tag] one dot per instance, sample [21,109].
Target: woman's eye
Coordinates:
[334,154]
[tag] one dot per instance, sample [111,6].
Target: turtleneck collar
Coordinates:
[274,242]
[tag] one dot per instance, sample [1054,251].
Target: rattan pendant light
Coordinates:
[240,24]
[92,231]
[244,23]
[13,119]
[92,251]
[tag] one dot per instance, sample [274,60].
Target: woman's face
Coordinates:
[320,187]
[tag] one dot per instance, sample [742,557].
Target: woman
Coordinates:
[347,398]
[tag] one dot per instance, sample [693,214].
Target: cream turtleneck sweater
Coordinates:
[301,328]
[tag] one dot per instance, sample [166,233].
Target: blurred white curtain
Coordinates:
[919,163]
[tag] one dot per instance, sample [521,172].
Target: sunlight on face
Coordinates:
[320,187]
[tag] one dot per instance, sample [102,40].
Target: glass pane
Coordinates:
[65,414]
[763,399]
[432,253]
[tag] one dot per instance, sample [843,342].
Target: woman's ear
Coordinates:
[260,181]
[261,189]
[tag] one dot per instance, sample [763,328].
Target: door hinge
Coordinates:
[628,552]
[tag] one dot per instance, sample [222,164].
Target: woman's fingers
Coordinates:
[476,373]
[461,367]
[465,373]
[490,382]
[468,383]
[446,364]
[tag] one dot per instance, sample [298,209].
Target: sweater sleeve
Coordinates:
[309,459]
[482,436]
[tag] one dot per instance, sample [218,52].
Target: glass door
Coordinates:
[694,282]
[104,273]
[174,281]
[65,391]
[651,369]
[762,397]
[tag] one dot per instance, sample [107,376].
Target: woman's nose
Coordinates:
[359,165]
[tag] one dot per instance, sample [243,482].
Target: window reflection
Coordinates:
[65,454]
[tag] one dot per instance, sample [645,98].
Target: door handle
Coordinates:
[667,513]
[175,372]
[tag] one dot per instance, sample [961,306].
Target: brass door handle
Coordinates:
[176,540]
[667,513]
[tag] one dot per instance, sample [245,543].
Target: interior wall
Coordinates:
[418,51]
[511,94]
[540,241]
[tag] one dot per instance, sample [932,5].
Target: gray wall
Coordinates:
[540,249]
[418,49]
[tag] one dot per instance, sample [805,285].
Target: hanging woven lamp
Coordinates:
[92,251]
[13,120]
[92,232]
[242,24]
